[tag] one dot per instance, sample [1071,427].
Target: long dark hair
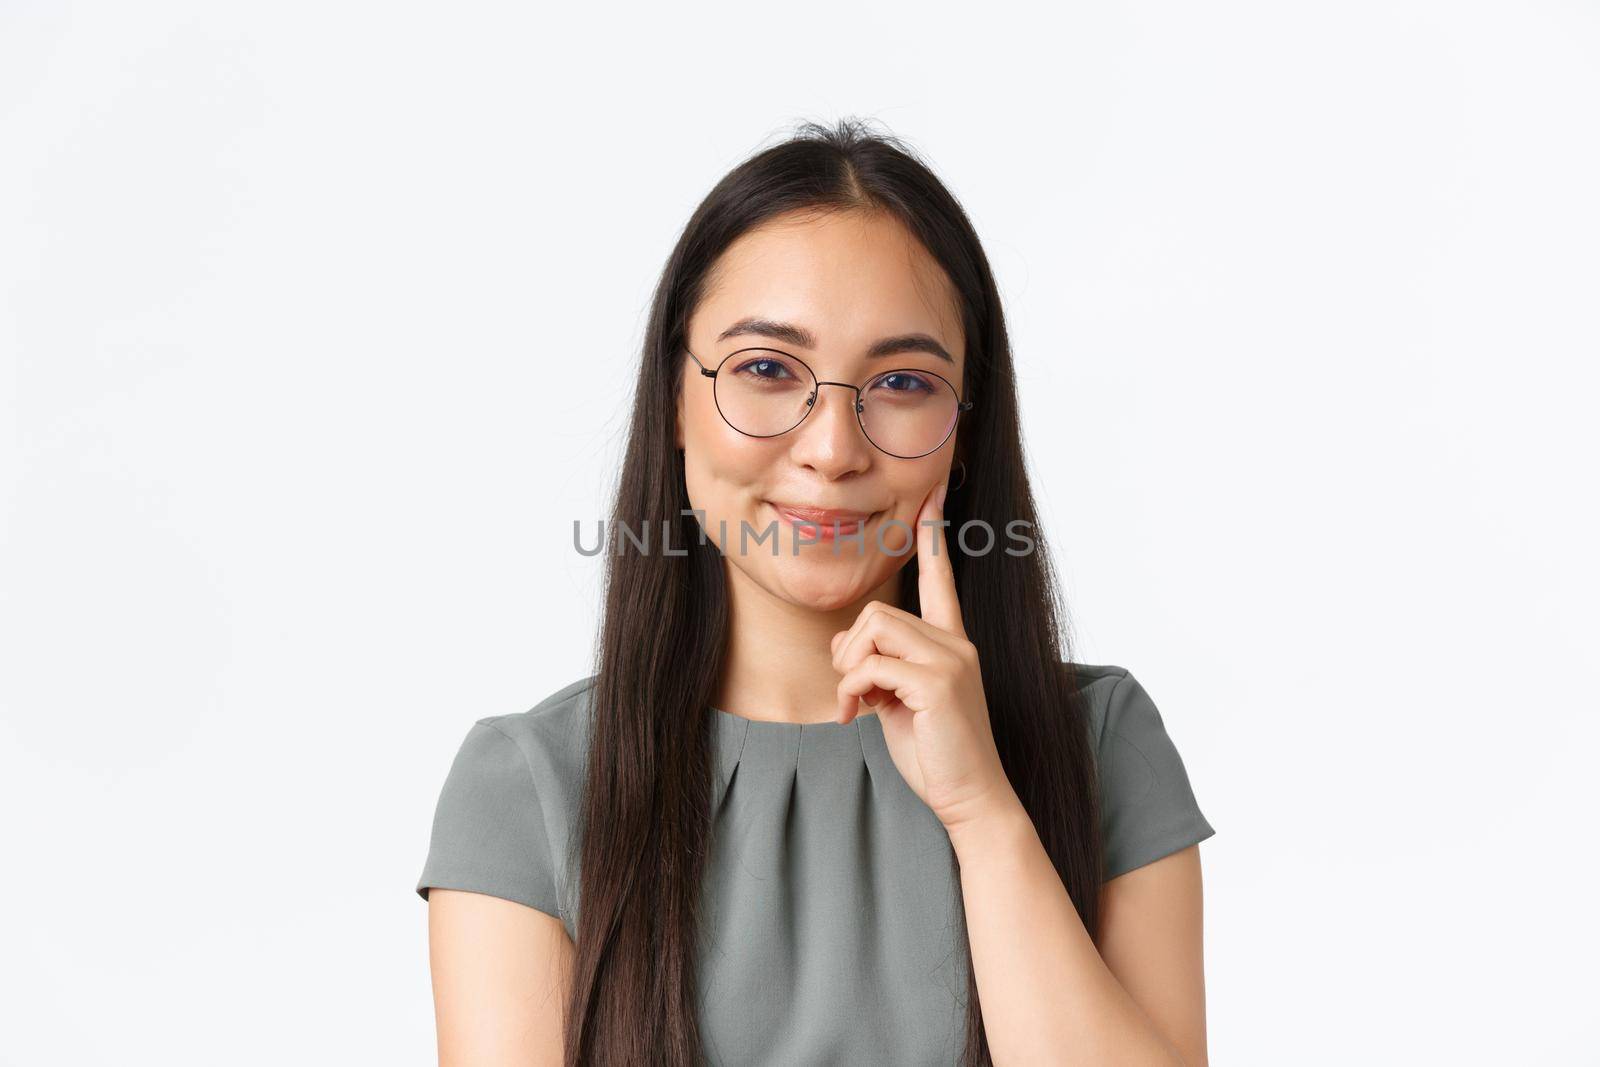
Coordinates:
[644,824]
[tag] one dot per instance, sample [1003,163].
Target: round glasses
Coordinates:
[762,392]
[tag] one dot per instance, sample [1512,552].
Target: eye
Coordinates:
[904,384]
[765,368]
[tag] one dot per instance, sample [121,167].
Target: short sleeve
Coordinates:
[1147,808]
[489,834]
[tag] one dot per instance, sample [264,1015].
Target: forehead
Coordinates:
[848,277]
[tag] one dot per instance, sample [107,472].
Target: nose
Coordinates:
[829,439]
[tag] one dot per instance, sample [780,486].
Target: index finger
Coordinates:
[936,578]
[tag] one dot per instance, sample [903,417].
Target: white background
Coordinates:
[318,328]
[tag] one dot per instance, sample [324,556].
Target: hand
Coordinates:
[921,676]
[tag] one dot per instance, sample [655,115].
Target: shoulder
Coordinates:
[1124,720]
[1099,683]
[1148,806]
[504,818]
[552,736]
[552,720]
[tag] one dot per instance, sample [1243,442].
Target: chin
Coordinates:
[824,584]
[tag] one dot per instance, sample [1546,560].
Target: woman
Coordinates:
[833,792]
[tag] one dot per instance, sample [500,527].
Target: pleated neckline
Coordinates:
[787,754]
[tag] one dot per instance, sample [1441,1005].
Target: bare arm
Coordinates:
[501,971]
[1151,938]
[1048,995]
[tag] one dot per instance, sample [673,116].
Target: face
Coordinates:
[844,283]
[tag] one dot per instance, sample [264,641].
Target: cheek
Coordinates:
[705,431]
[914,480]
[909,493]
[721,450]
[725,472]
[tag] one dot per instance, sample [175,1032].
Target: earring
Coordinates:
[963,480]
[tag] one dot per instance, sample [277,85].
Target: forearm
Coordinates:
[1047,996]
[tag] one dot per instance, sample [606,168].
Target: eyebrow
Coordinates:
[800,337]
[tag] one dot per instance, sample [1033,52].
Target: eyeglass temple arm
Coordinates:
[702,366]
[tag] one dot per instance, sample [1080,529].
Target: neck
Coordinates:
[779,663]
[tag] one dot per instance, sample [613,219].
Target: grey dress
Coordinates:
[831,890]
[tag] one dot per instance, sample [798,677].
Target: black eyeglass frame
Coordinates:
[811,401]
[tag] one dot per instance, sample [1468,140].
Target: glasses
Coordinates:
[762,392]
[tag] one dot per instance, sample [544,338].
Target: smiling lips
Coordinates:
[823,523]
